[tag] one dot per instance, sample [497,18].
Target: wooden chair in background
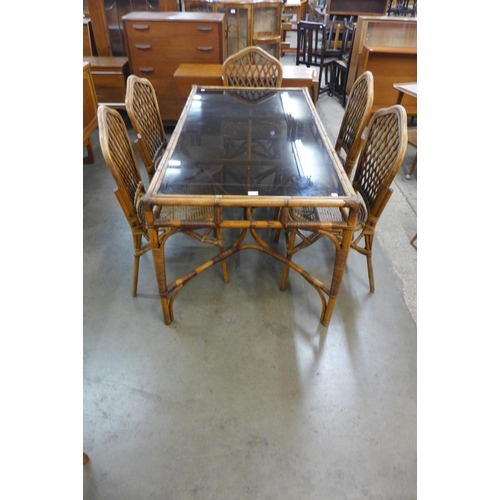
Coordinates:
[120,158]
[311,51]
[252,67]
[342,63]
[144,113]
[378,163]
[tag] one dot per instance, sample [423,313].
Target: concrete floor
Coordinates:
[246,395]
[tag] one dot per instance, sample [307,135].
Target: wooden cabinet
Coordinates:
[158,42]
[381,31]
[249,22]
[358,7]
[110,79]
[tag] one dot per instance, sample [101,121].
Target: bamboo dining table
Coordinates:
[250,155]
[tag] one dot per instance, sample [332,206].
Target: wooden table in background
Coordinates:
[188,75]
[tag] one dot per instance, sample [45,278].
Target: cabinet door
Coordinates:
[238,26]
[266,27]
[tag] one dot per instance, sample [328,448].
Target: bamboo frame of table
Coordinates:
[168,291]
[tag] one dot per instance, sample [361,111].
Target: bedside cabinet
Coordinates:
[110,79]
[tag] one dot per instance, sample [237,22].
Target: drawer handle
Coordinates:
[204,28]
[146,70]
[205,48]
[142,47]
[106,73]
[140,26]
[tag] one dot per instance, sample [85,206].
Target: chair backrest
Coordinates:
[121,161]
[348,39]
[356,116]
[310,46]
[144,113]
[381,157]
[252,67]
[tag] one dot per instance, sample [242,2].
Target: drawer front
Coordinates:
[164,42]
[108,78]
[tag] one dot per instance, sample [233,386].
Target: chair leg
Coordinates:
[286,270]
[278,231]
[368,249]
[137,256]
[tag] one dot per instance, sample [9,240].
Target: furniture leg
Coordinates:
[90,152]
[286,270]
[137,256]
[368,249]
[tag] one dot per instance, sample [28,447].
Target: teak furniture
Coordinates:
[89,111]
[390,65]
[409,89]
[110,79]
[358,7]
[249,22]
[159,41]
[202,75]
[380,31]
[251,149]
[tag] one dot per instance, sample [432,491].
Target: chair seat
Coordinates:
[328,214]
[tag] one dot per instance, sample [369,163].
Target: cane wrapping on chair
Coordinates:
[252,67]
[354,121]
[144,113]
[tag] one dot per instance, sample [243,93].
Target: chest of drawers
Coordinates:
[158,42]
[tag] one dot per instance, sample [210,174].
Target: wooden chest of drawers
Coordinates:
[158,42]
[110,79]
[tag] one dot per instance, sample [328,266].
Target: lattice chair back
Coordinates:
[356,116]
[120,159]
[252,67]
[380,159]
[144,113]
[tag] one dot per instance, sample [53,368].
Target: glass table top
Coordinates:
[258,142]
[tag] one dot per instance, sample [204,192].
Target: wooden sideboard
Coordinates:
[249,22]
[158,42]
[381,31]
[390,65]
[110,79]
[188,75]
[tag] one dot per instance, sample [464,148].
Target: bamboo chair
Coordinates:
[354,121]
[144,113]
[378,164]
[356,116]
[252,67]
[120,158]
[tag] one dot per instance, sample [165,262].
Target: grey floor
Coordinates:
[246,395]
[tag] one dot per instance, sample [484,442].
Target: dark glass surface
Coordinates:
[257,142]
